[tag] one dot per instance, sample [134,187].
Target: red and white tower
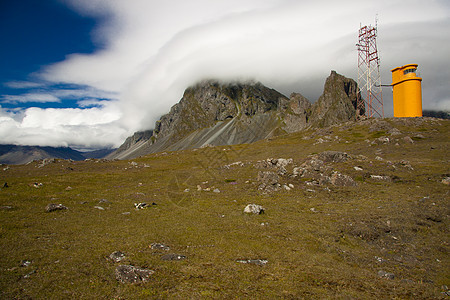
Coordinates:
[369,80]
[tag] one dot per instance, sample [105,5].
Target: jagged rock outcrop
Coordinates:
[337,104]
[214,113]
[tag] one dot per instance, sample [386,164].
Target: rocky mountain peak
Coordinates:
[337,104]
[218,113]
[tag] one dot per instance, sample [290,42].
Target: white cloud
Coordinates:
[30,97]
[83,128]
[22,84]
[152,50]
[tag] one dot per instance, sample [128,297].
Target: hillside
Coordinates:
[358,210]
[213,113]
[17,155]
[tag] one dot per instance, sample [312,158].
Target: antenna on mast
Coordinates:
[369,79]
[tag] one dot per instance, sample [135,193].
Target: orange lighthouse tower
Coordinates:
[407,91]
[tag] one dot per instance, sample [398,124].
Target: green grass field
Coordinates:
[320,241]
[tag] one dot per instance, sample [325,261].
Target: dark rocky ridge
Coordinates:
[213,113]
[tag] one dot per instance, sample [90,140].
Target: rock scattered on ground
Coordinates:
[25,263]
[446,180]
[45,162]
[173,256]
[132,274]
[381,177]
[339,179]
[99,207]
[334,156]
[384,274]
[254,209]
[6,207]
[159,246]
[258,262]
[54,207]
[268,181]
[140,205]
[117,256]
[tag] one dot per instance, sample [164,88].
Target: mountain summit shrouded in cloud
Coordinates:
[147,52]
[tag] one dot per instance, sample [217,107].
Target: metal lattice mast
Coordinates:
[369,80]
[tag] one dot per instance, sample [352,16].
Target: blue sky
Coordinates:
[89,73]
[37,33]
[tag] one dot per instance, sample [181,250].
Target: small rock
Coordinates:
[216,191]
[291,185]
[117,256]
[140,205]
[339,179]
[68,188]
[132,274]
[334,156]
[358,168]
[384,274]
[408,140]
[54,207]
[380,177]
[37,185]
[382,140]
[254,209]
[258,262]
[29,274]
[99,207]
[6,207]
[104,201]
[173,256]
[268,178]
[446,180]
[394,131]
[158,246]
[25,263]
[126,213]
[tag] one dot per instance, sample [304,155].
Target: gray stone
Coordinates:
[132,274]
[268,177]
[408,140]
[384,274]
[25,263]
[54,207]
[339,179]
[117,256]
[334,156]
[99,207]
[258,262]
[254,209]
[158,246]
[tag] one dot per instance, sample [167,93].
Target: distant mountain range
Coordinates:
[16,155]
